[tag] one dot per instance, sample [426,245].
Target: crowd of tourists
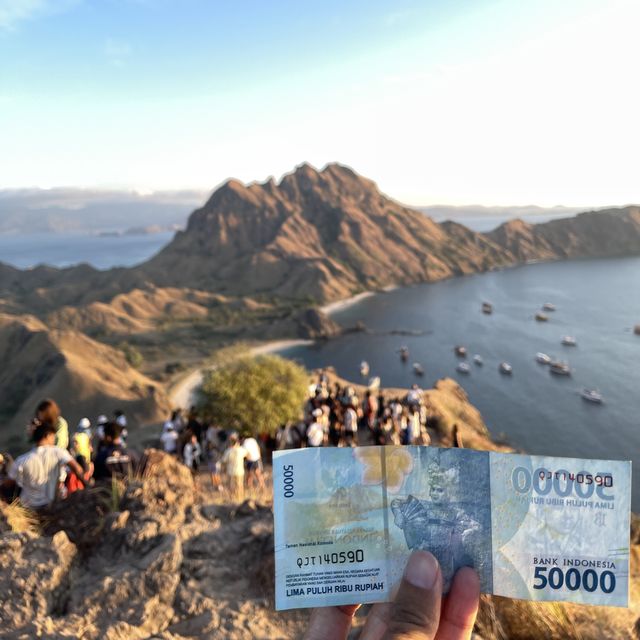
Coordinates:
[336,416]
[234,461]
[62,461]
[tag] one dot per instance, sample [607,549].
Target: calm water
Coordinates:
[598,302]
[65,249]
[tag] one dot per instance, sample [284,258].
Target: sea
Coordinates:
[66,249]
[597,302]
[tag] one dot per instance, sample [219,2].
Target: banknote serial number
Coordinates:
[574,579]
[562,482]
[337,557]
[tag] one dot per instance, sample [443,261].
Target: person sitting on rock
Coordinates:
[37,472]
[113,458]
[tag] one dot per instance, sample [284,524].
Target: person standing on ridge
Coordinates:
[233,462]
[254,462]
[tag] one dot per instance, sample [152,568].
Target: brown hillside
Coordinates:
[323,235]
[86,378]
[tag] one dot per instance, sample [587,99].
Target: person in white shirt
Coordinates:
[169,438]
[191,454]
[315,432]
[233,462]
[37,472]
[350,427]
[254,463]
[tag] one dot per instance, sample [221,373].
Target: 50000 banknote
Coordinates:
[533,527]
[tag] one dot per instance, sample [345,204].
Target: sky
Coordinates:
[451,102]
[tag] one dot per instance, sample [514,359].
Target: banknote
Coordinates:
[533,527]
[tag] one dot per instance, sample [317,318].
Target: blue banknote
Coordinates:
[533,527]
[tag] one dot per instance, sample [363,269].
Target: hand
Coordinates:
[415,614]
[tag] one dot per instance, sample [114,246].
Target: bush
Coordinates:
[254,395]
[132,355]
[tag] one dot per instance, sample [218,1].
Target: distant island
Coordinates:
[256,262]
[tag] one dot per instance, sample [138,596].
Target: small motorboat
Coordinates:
[591,395]
[461,352]
[636,329]
[541,317]
[569,341]
[560,368]
[404,353]
[463,367]
[505,368]
[374,383]
[543,358]
[487,308]
[548,306]
[477,359]
[364,368]
[417,369]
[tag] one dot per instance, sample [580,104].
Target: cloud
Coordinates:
[12,12]
[117,51]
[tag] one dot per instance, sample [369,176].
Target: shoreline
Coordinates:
[345,303]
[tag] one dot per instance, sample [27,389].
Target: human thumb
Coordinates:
[415,612]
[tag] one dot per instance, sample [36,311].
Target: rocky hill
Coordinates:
[322,235]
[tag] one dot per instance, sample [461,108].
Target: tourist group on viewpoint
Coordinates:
[62,462]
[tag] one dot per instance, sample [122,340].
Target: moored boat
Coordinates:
[543,358]
[487,308]
[591,395]
[417,369]
[548,306]
[477,359]
[463,367]
[506,368]
[364,368]
[560,368]
[569,341]
[404,353]
[541,317]
[460,351]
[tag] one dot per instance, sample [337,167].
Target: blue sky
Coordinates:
[480,101]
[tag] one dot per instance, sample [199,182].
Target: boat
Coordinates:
[364,368]
[591,395]
[463,367]
[487,308]
[374,383]
[636,329]
[477,359]
[560,368]
[569,341]
[541,317]
[548,306]
[461,352]
[417,369]
[404,353]
[506,368]
[543,358]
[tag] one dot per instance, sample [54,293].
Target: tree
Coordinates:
[254,395]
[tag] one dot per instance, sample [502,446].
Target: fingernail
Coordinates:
[422,570]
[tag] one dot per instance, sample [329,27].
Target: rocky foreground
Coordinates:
[166,557]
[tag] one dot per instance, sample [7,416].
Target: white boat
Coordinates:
[463,367]
[506,368]
[591,395]
[374,383]
[560,368]
[548,306]
[477,359]
[417,369]
[542,317]
[569,341]
[461,352]
[543,358]
[364,368]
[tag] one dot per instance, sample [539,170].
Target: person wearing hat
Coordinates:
[98,437]
[81,440]
[315,432]
[169,438]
